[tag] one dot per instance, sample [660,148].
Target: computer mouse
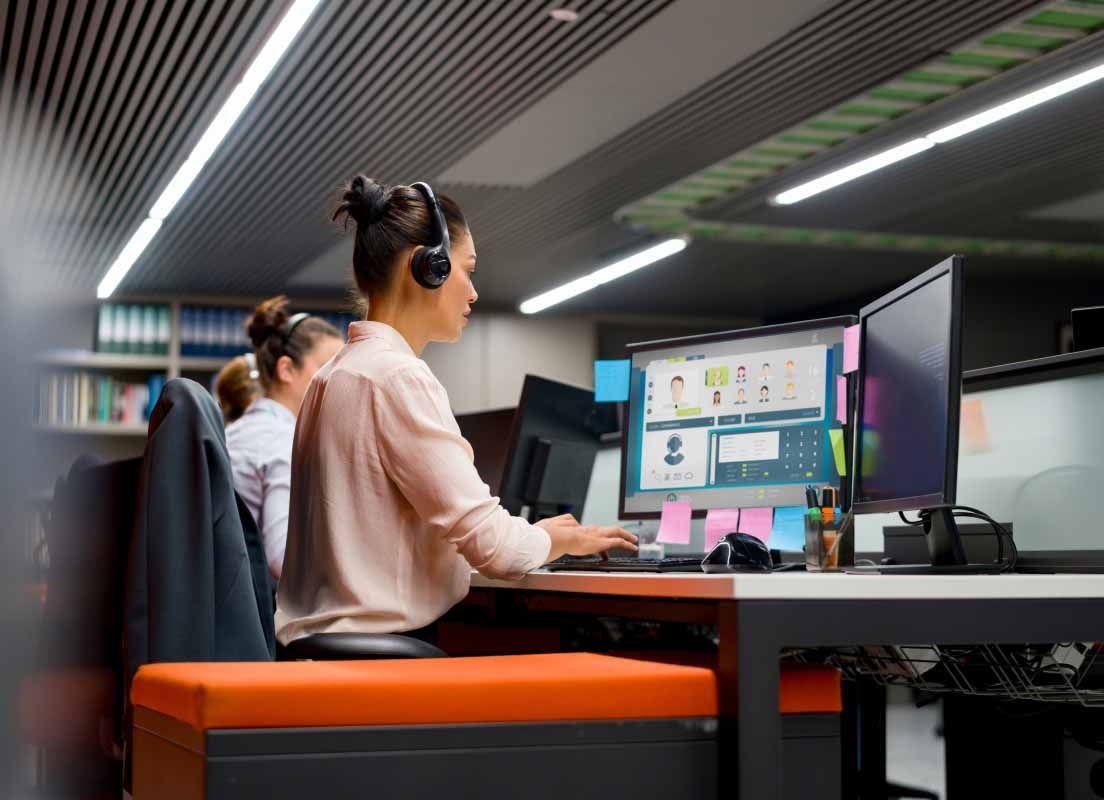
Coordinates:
[738,552]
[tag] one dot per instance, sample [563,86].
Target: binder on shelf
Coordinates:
[164,330]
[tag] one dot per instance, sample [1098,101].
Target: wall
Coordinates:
[486,368]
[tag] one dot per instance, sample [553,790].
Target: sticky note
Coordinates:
[718,522]
[788,532]
[757,522]
[851,348]
[841,399]
[975,431]
[611,381]
[836,435]
[674,523]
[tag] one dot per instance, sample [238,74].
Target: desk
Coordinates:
[760,615]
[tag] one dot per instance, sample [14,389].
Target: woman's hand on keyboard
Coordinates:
[571,538]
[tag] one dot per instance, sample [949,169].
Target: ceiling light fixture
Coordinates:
[258,71]
[618,269]
[942,135]
[563,14]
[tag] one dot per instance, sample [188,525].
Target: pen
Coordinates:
[811,497]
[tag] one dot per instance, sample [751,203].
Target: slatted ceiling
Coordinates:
[997,177]
[99,100]
[105,99]
[491,62]
[850,47]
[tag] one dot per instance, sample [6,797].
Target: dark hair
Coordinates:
[235,388]
[679,379]
[268,332]
[388,220]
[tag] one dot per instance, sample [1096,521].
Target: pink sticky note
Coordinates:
[841,399]
[851,348]
[674,523]
[718,522]
[757,521]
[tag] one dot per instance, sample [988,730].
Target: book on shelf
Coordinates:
[133,329]
[75,398]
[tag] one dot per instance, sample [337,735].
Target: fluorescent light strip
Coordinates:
[259,70]
[940,136]
[852,171]
[1023,103]
[618,269]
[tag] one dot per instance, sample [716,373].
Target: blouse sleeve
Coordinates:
[424,454]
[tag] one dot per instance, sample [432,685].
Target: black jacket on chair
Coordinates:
[197,585]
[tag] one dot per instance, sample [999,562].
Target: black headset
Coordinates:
[431,264]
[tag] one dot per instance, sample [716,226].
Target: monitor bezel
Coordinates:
[842,321]
[952,266]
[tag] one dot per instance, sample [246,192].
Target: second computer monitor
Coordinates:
[732,420]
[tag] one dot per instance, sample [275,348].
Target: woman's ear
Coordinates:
[285,369]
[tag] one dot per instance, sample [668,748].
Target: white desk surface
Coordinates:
[807,586]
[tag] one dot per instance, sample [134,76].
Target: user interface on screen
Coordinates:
[735,422]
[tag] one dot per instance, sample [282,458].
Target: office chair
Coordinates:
[357,647]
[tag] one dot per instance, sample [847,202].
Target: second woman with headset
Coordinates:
[388,514]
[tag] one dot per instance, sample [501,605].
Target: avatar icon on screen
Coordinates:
[741,396]
[716,376]
[741,374]
[790,394]
[764,394]
[677,387]
[789,368]
[764,373]
[716,399]
[674,444]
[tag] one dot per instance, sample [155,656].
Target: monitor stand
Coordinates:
[948,557]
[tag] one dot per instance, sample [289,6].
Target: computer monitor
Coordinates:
[910,382]
[488,433]
[552,445]
[731,420]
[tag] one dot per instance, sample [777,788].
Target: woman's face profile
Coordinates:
[453,301]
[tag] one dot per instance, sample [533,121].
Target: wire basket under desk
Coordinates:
[1070,672]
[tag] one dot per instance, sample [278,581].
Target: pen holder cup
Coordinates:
[829,546]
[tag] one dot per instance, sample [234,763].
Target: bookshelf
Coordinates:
[191,324]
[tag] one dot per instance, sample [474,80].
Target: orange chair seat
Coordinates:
[522,688]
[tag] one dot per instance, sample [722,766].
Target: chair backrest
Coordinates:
[197,583]
[87,537]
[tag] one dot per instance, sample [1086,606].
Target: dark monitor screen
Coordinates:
[910,378]
[556,430]
[488,433]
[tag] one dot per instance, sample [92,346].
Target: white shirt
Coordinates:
[260,456]
[389,515]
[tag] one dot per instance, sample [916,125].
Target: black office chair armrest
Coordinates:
[358,647]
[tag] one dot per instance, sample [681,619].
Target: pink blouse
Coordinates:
[388,515]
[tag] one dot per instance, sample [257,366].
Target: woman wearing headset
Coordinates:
[389,516]
[289,350]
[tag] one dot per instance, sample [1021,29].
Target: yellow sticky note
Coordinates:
[836,435]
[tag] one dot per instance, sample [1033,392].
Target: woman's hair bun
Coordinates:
[365,200]
[268,320]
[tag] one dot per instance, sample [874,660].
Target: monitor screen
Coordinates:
[551,447]
[909,386]
[731,420]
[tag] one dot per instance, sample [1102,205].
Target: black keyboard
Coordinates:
[684,563]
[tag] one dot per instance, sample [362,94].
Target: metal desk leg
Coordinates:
[750,735]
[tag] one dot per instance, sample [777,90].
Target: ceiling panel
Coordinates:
[101,101]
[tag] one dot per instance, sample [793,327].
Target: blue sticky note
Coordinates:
[611,381]
[788,532]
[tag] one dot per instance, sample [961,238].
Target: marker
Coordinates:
[811,497]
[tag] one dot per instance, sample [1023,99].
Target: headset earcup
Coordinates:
[430,267]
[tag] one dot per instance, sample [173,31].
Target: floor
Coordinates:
[914,748]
